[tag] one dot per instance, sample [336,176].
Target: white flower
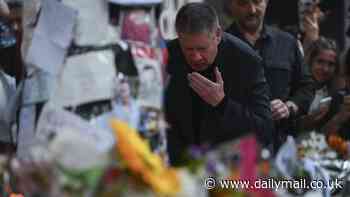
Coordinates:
[191,185]
[75,151]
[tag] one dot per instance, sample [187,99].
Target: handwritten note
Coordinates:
[38,87]
[86,78]
[93,26]
[52,36]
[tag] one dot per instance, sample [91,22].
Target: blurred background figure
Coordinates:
[323,60]
[339,111]
[289,79]
[310,21]
[7,83]
[125,106]
[4,9]
[7,35]
[9,57]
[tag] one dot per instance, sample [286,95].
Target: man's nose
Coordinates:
[252,8]
[196,56]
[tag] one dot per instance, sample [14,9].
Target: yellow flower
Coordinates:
[166,182]
[135,152]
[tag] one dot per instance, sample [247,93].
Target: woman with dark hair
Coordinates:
[339,115]
[323,60]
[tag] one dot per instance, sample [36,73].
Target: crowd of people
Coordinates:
[301,88]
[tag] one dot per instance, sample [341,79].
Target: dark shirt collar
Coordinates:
[266,33]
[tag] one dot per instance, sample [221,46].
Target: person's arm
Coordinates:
[313,121]
[337,121]
[311,27]
[4,9]
[177,143]
[255,114]
[302,87]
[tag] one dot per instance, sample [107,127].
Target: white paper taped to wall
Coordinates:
[92,29]
[86,78]
[52,36]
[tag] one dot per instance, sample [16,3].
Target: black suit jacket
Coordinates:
[286,74]
[245,108]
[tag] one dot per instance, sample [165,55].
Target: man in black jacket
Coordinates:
[290,81]
[217,90]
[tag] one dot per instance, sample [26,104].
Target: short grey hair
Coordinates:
[196,18]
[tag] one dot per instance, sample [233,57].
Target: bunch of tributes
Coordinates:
[37,85]
[76,72]
[141,74]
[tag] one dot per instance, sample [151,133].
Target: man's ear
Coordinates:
[218,34]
